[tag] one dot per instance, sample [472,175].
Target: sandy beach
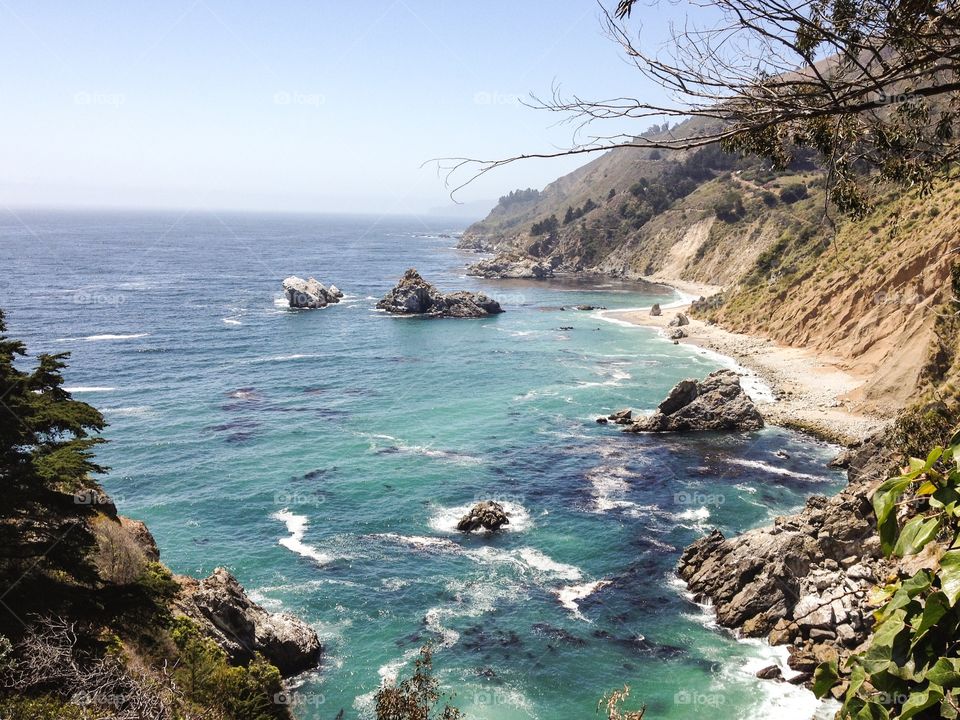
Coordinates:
[810,389]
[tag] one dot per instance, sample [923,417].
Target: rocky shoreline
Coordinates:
[805,581]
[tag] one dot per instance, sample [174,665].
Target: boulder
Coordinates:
[677,334]
[486,515]
[309,294]
[679,320]
[415,296]
[655,311]
[511,266]
[717,402]
[222,609]
[622,417]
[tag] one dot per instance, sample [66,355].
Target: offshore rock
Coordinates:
[415,296]
[717,402]
[309,294]
[487,515]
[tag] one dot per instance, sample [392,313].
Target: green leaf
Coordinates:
[920,701]
[886,496]
[950,575]
[947,710]
[824,678]
[945,672]
[873,711]
[934,609]
[857,677]
[916,534]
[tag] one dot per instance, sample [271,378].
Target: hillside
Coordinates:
[792,270]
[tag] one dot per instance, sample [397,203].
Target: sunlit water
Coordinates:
[325,456]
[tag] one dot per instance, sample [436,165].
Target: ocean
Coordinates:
[325,456]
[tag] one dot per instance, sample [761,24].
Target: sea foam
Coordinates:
[297,527]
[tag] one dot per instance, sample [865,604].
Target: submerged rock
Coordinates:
[511,266]
[221,607]
[717,402]
[309,294]
[415,296]
[487,515]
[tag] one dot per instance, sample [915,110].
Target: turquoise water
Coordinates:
[324,457]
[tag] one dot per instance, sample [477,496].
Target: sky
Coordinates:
[306,106]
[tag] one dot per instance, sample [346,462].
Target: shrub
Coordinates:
[794,192]
[244,693]
[729,208]
[416,698]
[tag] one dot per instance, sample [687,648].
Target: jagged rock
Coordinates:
[602,421]
[487,515]
[771,672]
[679,320]
[590,307]
[803,581]
[622,417]
[677,334]
[655,311]
[510,266]
[309,293]
[415,296]
[221,607]
[715,403]
[142,536]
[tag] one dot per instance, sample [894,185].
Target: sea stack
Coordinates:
[415,296]
[309,294]
[717,402]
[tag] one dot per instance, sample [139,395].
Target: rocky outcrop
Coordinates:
[221,607]
[415,296]
[309,294]
[486,515]
[679,320]
[511,266]
[677,334]
[803,581]
[717,402]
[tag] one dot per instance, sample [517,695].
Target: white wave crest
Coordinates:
[768,468]
[297,527]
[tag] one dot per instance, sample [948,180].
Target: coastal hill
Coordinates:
[789,267]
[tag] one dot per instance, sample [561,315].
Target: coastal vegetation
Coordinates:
[90,626]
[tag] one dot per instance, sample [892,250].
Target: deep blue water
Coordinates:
[324,457]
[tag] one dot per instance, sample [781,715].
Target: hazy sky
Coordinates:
[316,105]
